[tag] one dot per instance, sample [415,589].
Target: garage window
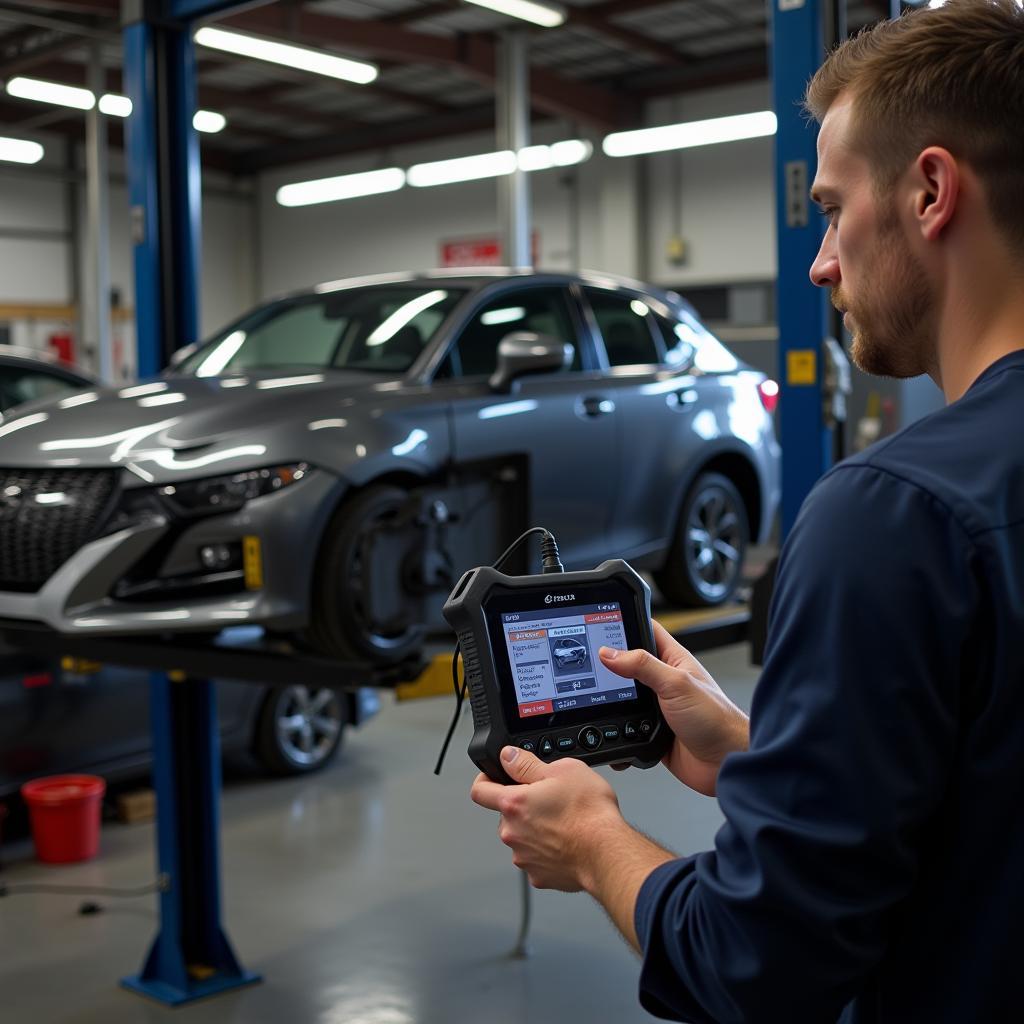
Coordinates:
[542,310]
[625,325]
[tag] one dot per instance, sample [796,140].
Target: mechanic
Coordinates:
[871,864]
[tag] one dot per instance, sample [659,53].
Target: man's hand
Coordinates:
[555,820]
[565,830]
[707,725]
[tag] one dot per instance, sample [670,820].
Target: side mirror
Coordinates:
[524,352]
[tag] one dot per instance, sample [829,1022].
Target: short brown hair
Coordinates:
[951,76]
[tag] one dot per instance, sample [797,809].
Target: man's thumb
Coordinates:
[521,765]
[642,665]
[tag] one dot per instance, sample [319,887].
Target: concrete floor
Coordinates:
[372,893]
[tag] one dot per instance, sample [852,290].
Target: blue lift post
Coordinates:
[797,51]
[191,957]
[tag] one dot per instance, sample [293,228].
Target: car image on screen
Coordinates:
[569,652]
[327,465]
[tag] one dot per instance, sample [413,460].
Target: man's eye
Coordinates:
[830,213]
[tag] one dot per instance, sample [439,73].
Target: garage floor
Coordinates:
[373,893]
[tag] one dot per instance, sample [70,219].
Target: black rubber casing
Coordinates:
[473,610]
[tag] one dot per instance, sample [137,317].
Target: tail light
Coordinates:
[768,390]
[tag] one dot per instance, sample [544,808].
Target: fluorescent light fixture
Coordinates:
[691,134]
[20,151]
[115,106]
[464,168]
[388,328]
[301,57]
[561,154]
[51,92]
[208,121]
[545,15]
[344,186]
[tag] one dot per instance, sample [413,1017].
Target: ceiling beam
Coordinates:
[473,55]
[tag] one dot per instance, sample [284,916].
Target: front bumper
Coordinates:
[77,599]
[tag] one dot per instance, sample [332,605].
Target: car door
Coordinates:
[563,423]
[670,415]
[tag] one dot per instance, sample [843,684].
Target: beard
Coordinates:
[892,318]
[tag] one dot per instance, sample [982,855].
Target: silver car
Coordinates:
[328,465]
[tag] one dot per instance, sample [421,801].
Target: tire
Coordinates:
[705,562]
[342,619]
[299,728]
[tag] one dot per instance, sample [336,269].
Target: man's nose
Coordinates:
[825,268]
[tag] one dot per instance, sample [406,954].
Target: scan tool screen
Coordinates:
[553,655]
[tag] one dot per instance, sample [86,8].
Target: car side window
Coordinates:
[540,310]
[690,343]
[17,386]
[625,326]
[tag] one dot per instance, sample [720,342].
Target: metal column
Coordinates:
[191,957]
[513,123]
[98,191]
[797,51]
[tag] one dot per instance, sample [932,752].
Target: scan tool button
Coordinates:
[529,746]
[646,728]
[611,733]
[590,738]
[547,748]
[630,731]
[566,743]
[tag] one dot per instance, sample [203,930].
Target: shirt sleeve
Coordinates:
[853,732]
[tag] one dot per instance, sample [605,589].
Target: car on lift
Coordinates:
[28,374]
[328,464]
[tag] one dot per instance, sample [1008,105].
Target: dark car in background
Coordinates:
[27,375]
[327,465]
[68,715]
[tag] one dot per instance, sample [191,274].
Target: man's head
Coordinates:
[914,113]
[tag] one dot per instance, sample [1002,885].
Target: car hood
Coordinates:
[179,425]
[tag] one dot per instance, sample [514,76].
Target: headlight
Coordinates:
[228,493]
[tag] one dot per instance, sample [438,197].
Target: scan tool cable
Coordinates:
[550,562]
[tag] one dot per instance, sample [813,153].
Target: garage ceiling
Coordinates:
[437,64]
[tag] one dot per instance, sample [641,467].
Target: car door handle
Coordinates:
[594,405]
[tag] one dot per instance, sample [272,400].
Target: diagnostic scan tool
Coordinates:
[529,647]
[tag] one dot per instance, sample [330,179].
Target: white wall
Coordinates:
[38,270]
[725,196]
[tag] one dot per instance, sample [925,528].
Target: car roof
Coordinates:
[479,277]
[39,359]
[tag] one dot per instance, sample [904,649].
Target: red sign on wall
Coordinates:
[480,252]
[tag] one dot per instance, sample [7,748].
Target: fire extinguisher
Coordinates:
[63,346]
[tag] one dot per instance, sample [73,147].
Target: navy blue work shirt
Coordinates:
[871,867]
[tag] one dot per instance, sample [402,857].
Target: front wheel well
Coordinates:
[741,472]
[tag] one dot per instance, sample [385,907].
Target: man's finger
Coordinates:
[642,665]
[487,793]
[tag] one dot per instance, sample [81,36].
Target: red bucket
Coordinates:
[65,814]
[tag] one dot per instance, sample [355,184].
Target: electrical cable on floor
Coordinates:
[162,884]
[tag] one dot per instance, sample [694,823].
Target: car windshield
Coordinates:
[380,329]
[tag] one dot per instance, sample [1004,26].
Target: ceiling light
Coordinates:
[51,92]
[209,121]
[545,15]
[690,134]
[561,154]
[20,151]
[344,186]
[114,105]
[465,168]
[301,57]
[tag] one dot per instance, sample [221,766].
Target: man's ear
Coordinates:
[936,181]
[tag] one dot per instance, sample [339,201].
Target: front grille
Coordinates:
[46,515]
